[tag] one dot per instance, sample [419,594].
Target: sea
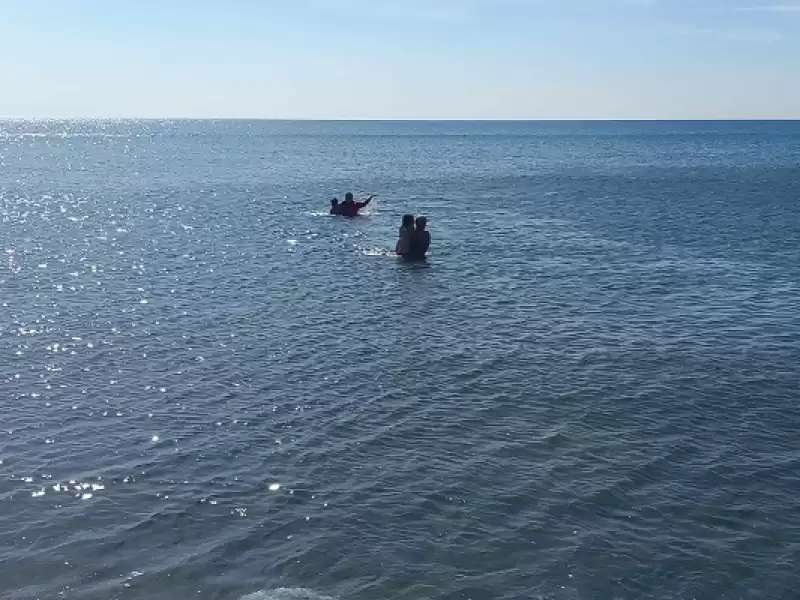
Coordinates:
[212,389]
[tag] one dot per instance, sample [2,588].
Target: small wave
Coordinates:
[287,594]
[369,251]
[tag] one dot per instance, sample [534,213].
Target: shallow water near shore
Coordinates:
[214,389]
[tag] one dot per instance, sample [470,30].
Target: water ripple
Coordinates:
[588,391]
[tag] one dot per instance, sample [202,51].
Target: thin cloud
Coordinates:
[772,8]
[447,10]
[741,34]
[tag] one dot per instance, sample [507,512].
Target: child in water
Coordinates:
[404,236]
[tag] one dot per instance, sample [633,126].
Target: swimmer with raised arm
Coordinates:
[350,208]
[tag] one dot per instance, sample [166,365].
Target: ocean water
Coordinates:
[212,389]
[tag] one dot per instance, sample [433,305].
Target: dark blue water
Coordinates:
[212,389]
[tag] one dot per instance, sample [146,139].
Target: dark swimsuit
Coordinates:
[350,209]
[417,247]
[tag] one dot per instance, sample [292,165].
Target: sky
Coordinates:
[404,59]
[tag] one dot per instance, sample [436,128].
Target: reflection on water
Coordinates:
[587,391]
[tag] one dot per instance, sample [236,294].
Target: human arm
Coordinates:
[365,202]
[425,242]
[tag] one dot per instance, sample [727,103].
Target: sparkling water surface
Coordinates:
[213,389]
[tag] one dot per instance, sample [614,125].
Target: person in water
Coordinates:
[420,240]
[350,208]
[335,208]
[405,235]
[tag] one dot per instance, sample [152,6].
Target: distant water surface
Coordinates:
[212,389]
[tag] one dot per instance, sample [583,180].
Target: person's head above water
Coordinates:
[334,202]
[348,197]
[408,221]
[421,223]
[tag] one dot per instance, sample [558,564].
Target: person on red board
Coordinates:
[350,208]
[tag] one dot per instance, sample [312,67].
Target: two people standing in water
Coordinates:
[413,239]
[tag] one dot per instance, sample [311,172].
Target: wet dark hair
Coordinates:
[421,222]
[335,201]
[348,196]
[408,220]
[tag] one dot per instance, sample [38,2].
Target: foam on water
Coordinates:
[287,594]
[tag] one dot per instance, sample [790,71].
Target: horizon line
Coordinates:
[399,120]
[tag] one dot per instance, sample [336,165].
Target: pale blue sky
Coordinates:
[512,59]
